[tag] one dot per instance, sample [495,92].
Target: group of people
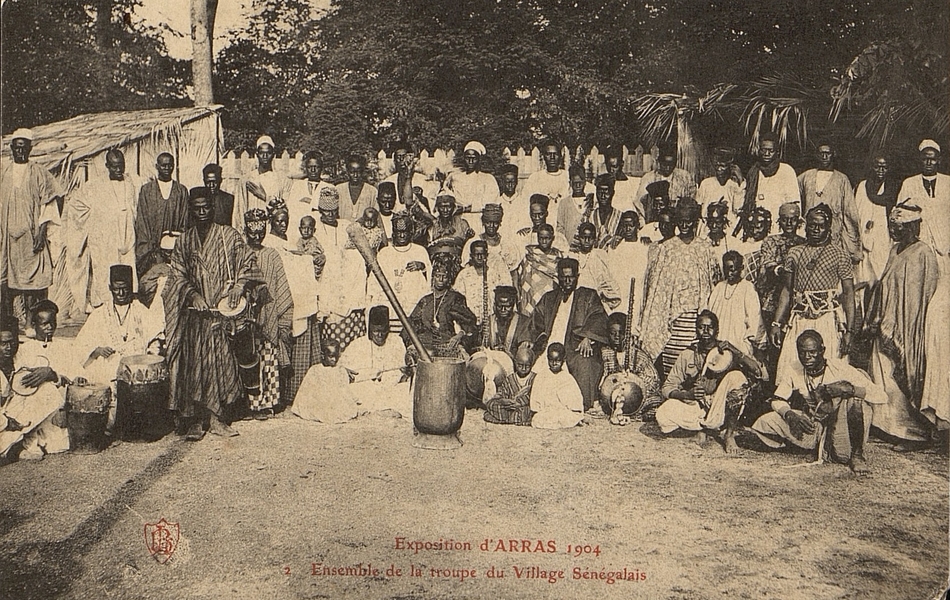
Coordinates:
[650,297]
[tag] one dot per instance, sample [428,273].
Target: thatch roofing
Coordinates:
[75,139]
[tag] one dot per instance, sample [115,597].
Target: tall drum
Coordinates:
[142,399]
[438,402]
[87,414]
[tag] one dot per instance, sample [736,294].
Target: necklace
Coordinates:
[122,319]
[436,305]
[726,293]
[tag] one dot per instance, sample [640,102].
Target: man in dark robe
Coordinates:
[210,262]
[575,317]
[223,201]
[162,208]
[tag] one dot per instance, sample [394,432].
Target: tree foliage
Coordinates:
[508,73]
[61,59]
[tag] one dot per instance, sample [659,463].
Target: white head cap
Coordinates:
[23,133]
[264,139]
[928,144]
[476,146]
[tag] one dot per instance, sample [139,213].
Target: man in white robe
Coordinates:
[121,327]
[27,208]
[100,231]
[303,194]
[376,364]
[626,260]
[473,188]
[406,266]
[514,203]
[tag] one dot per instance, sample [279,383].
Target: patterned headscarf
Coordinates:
[256,220]
[329,198]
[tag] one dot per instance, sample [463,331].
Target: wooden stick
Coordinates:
[369,256]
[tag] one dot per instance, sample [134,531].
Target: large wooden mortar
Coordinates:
[438,403]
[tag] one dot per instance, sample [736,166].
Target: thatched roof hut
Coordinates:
[74,149]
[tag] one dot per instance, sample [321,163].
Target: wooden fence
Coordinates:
[636,163]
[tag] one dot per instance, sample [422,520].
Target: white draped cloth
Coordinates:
[99,221]
[556,400]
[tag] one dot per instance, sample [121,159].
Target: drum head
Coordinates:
[17,384]
[719,361]
[227,311]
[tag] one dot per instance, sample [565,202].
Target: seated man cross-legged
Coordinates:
[699,385]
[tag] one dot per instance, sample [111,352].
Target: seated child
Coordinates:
[307,244]
[511,403]
[556,399]
[372,227]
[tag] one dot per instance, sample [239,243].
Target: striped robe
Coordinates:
[202,368]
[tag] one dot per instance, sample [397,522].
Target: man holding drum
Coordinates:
[210,263]
[698,386]
[29,400]
[122,327]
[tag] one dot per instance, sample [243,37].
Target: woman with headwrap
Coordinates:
[442,318]
[813,275]
[273,307]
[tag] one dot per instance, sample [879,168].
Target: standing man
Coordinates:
[931,192]
[606,218]
[100,232]
[725,185]
[473,188]
[501,248]
[625,186]
[162,208]
[682,184]
[770,182]
[27,208]
[355,194]
[262,186]
[553,181]
[831,187]
[513,203]
[593,271]
[629,259]
[412,187]
[406,266]
[302,196]
[574,317]
[223,201]
[210,262]
[478,279]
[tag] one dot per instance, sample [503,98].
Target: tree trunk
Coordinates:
[201,53]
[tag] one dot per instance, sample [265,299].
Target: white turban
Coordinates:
[928,144]
[476,146]
[264,139]
[23,133]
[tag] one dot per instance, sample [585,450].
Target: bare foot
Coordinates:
[195,433]
[730,446]
[221,428]
[701,439]
[858,465]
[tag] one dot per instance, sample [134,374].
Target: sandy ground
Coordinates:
[257,511]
